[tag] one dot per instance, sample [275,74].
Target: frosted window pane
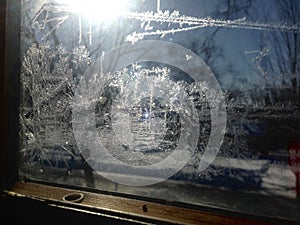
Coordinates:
[190,101]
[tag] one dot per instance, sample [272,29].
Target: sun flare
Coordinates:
[98,9]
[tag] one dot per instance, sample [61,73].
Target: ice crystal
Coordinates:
[57,14]
[48,83]
[186,23]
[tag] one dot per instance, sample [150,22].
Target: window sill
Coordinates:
[126,209]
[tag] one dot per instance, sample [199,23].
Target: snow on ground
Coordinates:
[279,180]
[276,177]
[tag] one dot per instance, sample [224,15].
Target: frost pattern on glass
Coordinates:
[152,129]
[261,119]
[187,23]
[47,82]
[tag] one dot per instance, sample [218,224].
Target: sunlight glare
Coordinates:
[98,9]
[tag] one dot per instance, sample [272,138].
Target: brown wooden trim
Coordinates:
[127,206]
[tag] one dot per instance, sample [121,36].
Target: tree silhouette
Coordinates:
[282,65]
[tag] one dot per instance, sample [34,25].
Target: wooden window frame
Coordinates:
[17,194]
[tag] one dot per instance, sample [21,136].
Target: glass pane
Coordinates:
[189,101]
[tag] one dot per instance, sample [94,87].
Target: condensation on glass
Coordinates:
[189,101]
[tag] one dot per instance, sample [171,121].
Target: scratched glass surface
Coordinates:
[233,121]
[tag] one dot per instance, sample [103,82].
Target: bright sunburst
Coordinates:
[98,9]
